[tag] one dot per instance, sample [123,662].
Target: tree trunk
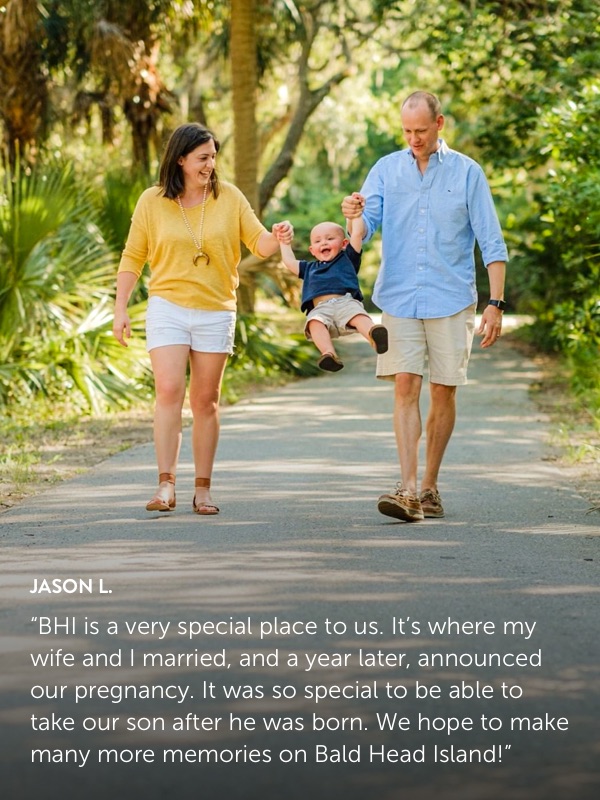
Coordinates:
[23,85]
[144,107]
[244,82]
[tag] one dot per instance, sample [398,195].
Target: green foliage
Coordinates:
[116,202]
[56,278]
[502,63]
[563,255]
[516,79]
[567,223]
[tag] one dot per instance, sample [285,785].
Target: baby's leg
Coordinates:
[376,335]
[319,333]
[363,324]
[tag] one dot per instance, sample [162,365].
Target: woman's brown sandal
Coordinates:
[205,509]
[158,503]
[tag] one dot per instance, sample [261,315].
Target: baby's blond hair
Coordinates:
[335,225]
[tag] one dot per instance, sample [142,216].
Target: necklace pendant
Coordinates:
[198,244]
[200,254]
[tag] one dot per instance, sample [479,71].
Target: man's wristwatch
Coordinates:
[498,303]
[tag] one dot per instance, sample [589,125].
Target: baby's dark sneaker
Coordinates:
[379,338]
[330,363]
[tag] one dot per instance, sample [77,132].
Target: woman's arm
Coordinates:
[268,243]
[121,323]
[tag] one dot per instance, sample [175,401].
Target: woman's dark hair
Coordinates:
[182,141]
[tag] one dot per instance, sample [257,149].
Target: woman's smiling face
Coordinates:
[198,165]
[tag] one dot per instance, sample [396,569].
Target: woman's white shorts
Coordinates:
[202,331]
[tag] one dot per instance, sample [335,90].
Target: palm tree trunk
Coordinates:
[23,85]
[244,81]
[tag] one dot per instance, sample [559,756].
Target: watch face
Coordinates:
[498,303]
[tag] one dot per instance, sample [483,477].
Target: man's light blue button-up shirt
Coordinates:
[429,225]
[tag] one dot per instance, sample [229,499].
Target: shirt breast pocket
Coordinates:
[450,210]
[400,205]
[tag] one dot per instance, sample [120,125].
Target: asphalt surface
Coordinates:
[300,566]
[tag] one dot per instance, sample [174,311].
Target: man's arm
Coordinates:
[368,202]
[491,318]
[497,276]
[352,205]
[269,242]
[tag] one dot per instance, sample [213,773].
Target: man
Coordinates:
[432,204]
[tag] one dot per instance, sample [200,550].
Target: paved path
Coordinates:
[299,540]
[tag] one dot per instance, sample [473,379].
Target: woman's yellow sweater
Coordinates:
[158,236]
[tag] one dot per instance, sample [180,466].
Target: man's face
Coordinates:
[326,241]
[421,130]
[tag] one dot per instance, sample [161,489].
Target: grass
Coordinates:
[43,449]
[574,428]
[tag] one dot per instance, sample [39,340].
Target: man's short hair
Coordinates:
[431,100]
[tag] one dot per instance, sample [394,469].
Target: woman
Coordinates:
[189,229]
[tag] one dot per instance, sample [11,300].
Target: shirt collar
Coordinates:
[441,152]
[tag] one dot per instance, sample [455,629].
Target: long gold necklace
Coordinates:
[199,251]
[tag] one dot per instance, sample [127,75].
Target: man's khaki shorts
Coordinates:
[445,343]
[335,315]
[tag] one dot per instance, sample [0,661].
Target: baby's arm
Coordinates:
[356,225]
[284,235]
[288,258]
[357,229]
